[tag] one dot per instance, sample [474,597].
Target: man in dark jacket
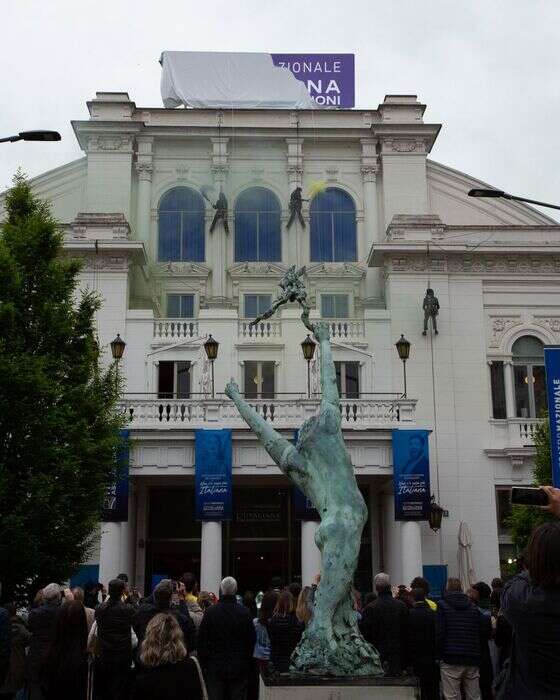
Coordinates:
[41,624]
[226,640]
[384,624]
[422,645]
[114,643]
[461,630]
[161,601]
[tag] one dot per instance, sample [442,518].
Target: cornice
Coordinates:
[349,270]
[244,270]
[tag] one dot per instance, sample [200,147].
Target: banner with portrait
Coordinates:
[411,474]
[213,461]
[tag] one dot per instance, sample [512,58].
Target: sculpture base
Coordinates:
[288,686]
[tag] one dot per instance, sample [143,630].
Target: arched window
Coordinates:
[333,227]
[257,226]
[528,377]
[181,225]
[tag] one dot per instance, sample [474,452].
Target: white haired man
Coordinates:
[226,640]
[41,624]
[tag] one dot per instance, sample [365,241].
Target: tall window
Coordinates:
[333,227]
[528,377]
[257,226]
[180,305]
[348,379]
[498,389]
[259,380]
[334,305]
[256,304]
[181,225]
[174,380]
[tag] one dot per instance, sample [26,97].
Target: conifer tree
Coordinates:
[59,428]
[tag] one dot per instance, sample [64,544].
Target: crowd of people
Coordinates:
[500,641]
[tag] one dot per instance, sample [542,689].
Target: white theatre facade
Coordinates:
[392,223]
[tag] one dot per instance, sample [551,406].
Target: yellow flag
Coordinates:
[316,187]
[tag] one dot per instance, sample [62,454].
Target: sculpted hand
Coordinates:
[232,390]
[322,331]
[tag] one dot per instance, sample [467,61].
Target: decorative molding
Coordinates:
[500,264]
[549,323]
[347,270]
[100,262]
[180,269]
[94,226]
[331,174]
[256,269]
[144,171]
[499,325]
[369,173]
[109,143]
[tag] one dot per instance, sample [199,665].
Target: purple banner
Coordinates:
[329,77]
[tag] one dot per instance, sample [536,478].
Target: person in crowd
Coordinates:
[262,643]
[205,600]
[276,584]
[497,584]
[486,670]
[503,635]
[167,671]
[190,585]
[90,595]
[295,589]
[41,622]
[226,644]
[461,627]
[284,630]
[422,645]
[304,607]
[403,594]
[420,582]
[531,604]
[369,599]
[5,644]
[385,625]
[79,595]
[66,669]
[249,603]
[19,641]
[484,592]
[161,602]
[114,644]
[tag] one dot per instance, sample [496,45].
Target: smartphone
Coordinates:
[528,496]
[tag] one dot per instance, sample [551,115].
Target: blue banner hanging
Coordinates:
[552,368]
[411,474]
[115,505]
[213,474]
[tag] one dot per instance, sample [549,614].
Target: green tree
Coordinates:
[58,421]
[524,519]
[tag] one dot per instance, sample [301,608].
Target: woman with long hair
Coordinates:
[284,630]
[168,673]
[262,645]
[304,607]
[66,669]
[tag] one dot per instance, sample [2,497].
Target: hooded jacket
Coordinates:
[461,630]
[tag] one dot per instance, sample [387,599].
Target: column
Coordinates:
[310,553]
[374,517]
[411,551]
[110,552]
[143,205]
[293,252]
[211,557]
[391,540]
[508,385]
[219,241]
[141,536]
[372,233]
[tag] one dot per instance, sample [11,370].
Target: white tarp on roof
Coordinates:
[242,80]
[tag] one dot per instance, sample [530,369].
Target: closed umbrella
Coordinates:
[464,556]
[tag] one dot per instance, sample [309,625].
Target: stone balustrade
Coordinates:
[264,330]
[174,329]
[360,414]
[346,328]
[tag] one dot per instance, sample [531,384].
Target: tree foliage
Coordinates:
[58,423]
[524,519]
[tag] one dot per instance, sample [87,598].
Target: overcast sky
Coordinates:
[488,70]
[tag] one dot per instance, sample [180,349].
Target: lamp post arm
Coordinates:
[17,137]
[531,201]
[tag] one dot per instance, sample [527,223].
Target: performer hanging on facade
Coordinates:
[221,214]
[431,310]
[293,290]
[295,205]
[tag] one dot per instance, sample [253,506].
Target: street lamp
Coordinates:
[494,194]
[436,514]
[308,347]
[211,349]
[33,136]
[117,351]
[403,348]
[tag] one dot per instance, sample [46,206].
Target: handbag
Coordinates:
[200,678]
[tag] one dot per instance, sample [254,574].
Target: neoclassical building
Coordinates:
[388,224]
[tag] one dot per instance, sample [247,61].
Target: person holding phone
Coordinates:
[531,604]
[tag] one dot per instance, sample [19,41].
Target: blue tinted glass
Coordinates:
[344,236]
[251,306]
[327,306]
[269,236]
[245,236]
[333,226]
[321,237]
[169,240]
[173,305]
[193,237]
[187,306]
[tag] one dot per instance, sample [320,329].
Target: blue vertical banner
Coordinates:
[436,576]
[213,474]
[411,474]
[552,368]
[115,505]
[303,507]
